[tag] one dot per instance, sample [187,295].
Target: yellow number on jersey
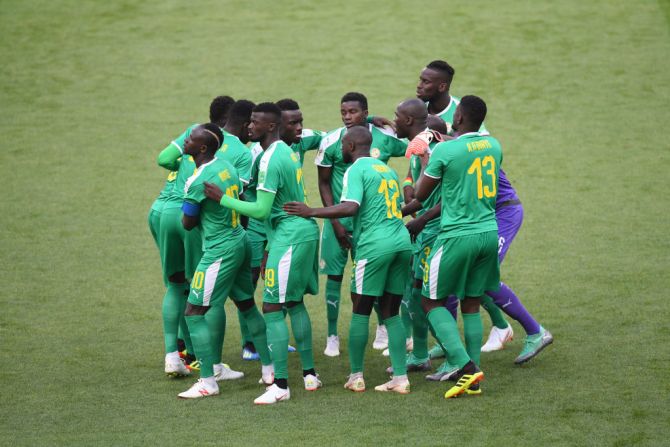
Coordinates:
[269,277]
[392,201]
[234,192]
[198,279]
[476,168]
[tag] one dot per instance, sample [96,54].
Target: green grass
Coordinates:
[578,94]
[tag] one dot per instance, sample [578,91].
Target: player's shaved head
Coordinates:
[270,110]
[437,124]
[360,136]
[415,108]
[212,135]
[410,118]
[356,143]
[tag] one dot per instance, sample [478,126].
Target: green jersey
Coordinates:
[468,167]
[220,226]
[237,154]
[384,146]
[309,141]
[186,169]
[378,224]
[447,115]
[250,192]
[280,173]
[432,227]
[165,192]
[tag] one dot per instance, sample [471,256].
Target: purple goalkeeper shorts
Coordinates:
[509,220]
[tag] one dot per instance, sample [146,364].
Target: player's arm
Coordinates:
[311,139]
[326,193]
[169,157]
[408,186]
[416,226]
[191,217]
[342,209]
[380,121]
[260,209]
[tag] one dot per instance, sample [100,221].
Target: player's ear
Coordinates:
[443,87]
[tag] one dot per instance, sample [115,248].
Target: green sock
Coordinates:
[173,310]
[375,306]
[183,333]
[473,332]
[405,312]
[332,304]
[254,320]
[302,331]
[245,335]
[397,350]
[202,343]
[358,338]
[497,317]
[419,326]
[277,336]
[216,320]
[446,332]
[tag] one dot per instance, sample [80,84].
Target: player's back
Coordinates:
[237,154]
[378,224]
[280,172]
[468,167]
[220,225]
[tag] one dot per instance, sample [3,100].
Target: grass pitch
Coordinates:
[578,94]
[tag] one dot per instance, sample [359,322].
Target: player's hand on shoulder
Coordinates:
[213,192]
[380,121]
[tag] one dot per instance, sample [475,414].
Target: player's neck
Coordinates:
[232,130]
[356,155]
[414,131]
[267,141]
[201,159]
[436,105]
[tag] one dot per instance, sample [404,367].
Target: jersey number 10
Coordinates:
[476,168]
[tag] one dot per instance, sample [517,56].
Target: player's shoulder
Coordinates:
[386,131]
[306,133]
[331,138]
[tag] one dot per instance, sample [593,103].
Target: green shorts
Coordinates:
[257,242]
[465,266]
[332,257]
[425,244]
[180,250]
[155,224]
[383,273]
[223,272]
[291,272]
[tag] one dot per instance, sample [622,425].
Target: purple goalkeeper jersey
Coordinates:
[505,190]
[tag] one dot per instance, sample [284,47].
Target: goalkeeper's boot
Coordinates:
[534,344]
[468,376]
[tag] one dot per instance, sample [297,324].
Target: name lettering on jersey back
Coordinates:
[380,168]
[224,175]
[479,145]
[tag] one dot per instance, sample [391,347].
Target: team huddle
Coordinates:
[234,210]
